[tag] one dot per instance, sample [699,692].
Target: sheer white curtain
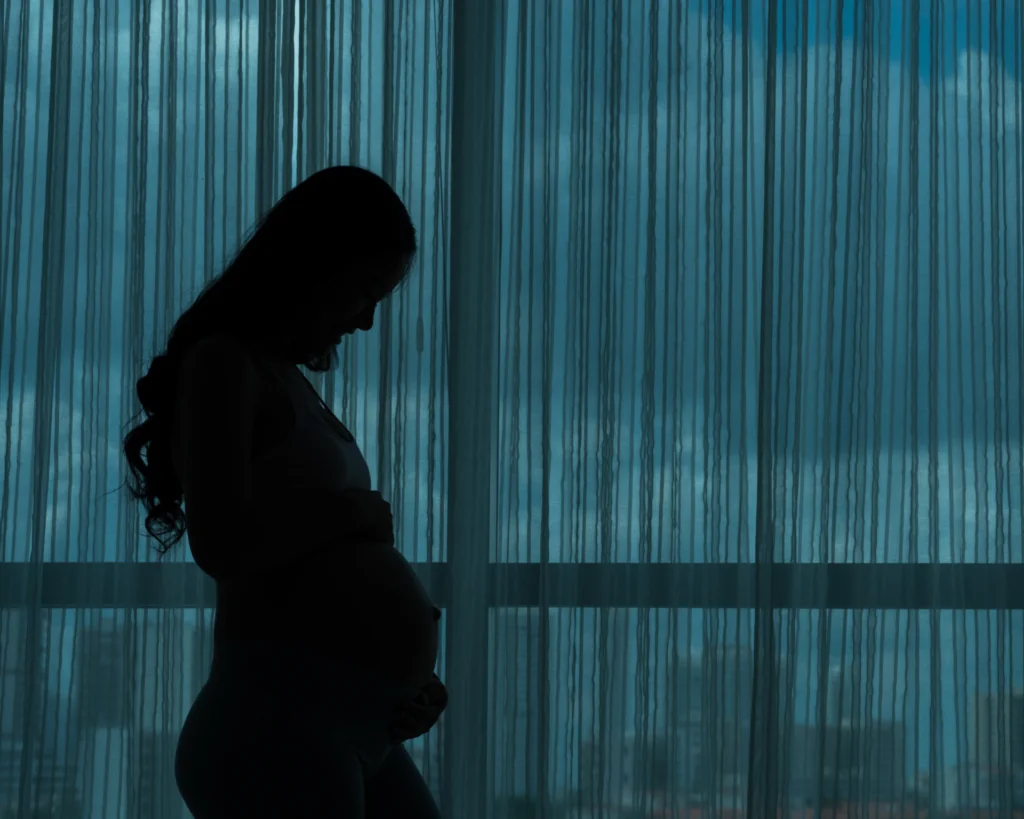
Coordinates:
[701,414]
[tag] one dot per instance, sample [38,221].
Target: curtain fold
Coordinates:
[700,414]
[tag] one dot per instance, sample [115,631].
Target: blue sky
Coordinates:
[961,25]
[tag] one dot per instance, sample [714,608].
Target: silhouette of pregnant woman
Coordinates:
[325,641]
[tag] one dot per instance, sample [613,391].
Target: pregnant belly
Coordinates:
[375,607]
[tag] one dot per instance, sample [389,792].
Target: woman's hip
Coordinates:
[264,698]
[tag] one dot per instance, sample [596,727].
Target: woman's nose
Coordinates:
[365,319]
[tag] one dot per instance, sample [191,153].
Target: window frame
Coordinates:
[456,583]
[793,586]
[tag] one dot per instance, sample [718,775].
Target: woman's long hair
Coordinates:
[315,234]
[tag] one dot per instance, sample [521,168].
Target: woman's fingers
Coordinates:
[414,723]
[413,720]
[416,711]
[435,692]
[420,714]
[367,513]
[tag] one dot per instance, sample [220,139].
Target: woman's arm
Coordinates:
[232,528]
[291,524]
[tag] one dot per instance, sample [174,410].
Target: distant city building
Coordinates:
[843,699]
[132,706]
[864,763]
[101,676]
[697,754]
[35,764]
[17,679]
[862,755]
[700,755]
[50,781]
[997,743]
[515,703]
[152,791]
[992,777]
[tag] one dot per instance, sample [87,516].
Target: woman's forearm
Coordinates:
[278,530]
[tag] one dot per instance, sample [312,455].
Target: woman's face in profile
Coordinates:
[342,310]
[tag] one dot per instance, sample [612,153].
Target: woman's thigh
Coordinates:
[398,791]
[242,763]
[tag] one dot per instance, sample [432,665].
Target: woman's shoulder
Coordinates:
[217,349]
[221,350]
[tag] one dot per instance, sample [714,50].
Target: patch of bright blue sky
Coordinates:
[938,29]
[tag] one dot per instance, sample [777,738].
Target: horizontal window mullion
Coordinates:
[619,585]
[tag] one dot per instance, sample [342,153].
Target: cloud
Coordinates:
[70,526]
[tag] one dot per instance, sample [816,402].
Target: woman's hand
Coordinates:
[367,514]
[415,718]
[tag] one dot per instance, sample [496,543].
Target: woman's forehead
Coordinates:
[371,278]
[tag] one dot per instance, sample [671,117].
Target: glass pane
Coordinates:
[638,344]
[637,711]
[91,710]
[138,245]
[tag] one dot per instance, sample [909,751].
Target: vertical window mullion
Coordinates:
[472,298]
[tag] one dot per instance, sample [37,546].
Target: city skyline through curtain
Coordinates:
[700,414]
